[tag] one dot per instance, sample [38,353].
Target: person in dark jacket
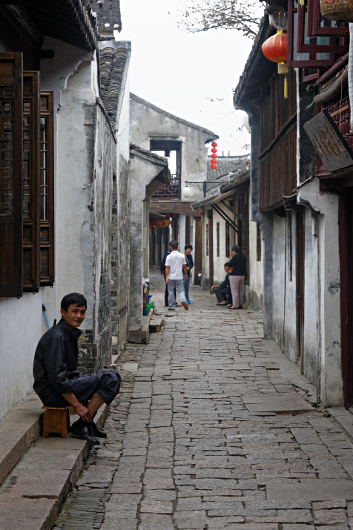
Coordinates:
[56,379]
[237,277]
[189,266]
[221,290]
[162,269]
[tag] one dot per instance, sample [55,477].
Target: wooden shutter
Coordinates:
[31,81]
[46,189]
[11,89]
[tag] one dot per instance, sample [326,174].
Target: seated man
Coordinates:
[221,290]
[56,379]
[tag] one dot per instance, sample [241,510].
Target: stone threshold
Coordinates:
[36,474]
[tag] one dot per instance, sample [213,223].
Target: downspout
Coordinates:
[350,70]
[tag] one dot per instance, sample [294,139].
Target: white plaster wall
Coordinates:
[290,290]
[182,229]
[255,268]
[218,262]
[278,284]
[329,344]
[311,304]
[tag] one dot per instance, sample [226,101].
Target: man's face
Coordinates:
[233,252]
[74,316]
[188,251]
[226,269]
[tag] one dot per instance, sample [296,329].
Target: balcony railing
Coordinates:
[169,191]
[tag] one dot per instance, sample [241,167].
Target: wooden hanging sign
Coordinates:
[329,142]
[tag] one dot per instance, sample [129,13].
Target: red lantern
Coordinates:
[275,49]
[213,166]
[214,144]
[213,150]
[213,155]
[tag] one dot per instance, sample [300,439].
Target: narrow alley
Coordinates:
[207,433]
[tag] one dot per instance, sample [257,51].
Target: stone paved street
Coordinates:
[207,433]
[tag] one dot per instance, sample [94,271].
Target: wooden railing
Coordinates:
[169,191]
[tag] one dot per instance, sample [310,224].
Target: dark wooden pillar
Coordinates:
[198,250]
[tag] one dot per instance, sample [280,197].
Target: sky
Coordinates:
[191,75]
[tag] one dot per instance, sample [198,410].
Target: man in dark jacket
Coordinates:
[56,379]
[237,277]
[221,290]
[189,266]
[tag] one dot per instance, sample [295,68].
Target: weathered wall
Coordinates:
[256,269]
[120,284]
[147,122]
[328,323]
[142,173]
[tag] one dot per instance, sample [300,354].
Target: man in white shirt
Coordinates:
[175,265]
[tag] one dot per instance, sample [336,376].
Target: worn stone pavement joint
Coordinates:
[212,431]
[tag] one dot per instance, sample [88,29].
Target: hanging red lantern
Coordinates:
[214,156]
[275,49]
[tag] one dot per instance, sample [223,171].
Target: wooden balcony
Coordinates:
[170,191]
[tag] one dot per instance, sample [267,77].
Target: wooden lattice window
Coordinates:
[309,46]
[30,181]
[46,189]
[11,123]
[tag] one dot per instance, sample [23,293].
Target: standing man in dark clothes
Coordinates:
[237,277]
[56,379]
[162,269]
[189,266]
[221,290]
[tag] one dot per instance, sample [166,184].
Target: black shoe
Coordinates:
[83,430]
[97,432]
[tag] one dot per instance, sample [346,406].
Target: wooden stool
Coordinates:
[57,420]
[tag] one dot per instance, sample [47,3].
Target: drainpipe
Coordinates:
[350,70]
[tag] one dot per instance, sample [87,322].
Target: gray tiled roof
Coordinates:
[108,12]
[113,62]
[226,165]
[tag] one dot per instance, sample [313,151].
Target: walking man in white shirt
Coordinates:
[175,265]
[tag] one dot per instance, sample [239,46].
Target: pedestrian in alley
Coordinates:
[56,379]
[162,269]
[237,277]
[221,290]
[175,272]
[189,266]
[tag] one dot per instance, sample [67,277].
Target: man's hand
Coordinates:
[188,268]
[167,280]
[80,409]
[83,412]
[186,276]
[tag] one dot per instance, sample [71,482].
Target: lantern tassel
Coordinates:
[285,87]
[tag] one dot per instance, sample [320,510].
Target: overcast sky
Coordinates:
[182,72]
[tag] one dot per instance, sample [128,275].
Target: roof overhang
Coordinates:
[71,21]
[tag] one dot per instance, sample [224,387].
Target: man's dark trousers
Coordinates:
[221,294]
[166,293]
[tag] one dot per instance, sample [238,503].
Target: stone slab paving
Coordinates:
[208,434]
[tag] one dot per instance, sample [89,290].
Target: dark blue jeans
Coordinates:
[186,287]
